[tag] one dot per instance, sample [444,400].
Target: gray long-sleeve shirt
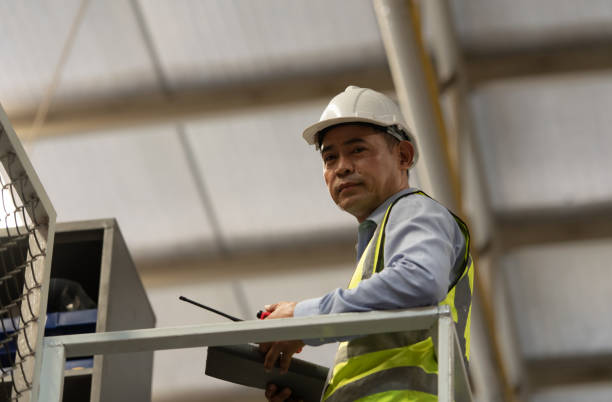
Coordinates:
[423,253]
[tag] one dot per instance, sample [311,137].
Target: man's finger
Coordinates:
[270,307]
[264,347]
[285,362]
[272,356]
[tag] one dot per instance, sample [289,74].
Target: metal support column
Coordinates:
[453,382]
[52,382]
[488,239]
[414,85]
[445,355]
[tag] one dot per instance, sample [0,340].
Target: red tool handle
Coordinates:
[262,314]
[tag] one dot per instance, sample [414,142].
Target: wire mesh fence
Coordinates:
[26,218]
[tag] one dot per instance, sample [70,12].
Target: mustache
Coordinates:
[347,182]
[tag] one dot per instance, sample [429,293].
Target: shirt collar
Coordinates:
[379,213]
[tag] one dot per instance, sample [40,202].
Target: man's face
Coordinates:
[361,170]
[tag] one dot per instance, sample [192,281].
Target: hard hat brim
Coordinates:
[310,133]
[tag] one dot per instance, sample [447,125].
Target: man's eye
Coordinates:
[358,150]
[329,158]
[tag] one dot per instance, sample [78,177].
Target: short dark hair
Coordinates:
[390,140]
[391,143]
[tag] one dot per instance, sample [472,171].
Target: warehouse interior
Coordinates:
[182,120]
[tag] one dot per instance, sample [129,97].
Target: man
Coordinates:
[412,252]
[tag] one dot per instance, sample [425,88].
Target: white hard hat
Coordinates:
[363,105]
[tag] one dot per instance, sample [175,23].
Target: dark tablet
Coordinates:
[243,364]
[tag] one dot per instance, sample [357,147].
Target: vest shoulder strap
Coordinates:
[377,260]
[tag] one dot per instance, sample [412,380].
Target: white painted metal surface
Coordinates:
[333,325]
[52,383]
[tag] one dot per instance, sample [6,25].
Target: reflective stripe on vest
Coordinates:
[398,366]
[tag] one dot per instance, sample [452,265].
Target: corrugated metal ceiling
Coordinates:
[560,296]
[540,136]
[195,42]
[138,176]
[32,34]
[262,177]
[263,181]
[499,25]
[221,41]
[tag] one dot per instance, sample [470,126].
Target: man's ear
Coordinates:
[406,154]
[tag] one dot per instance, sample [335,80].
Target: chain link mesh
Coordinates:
[22,254]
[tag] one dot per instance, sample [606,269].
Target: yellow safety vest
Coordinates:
[398,366]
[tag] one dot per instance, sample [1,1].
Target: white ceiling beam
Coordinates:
[565,370]
[551,225]
[482,66]
[154,108]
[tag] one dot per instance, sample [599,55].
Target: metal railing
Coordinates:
[453,384]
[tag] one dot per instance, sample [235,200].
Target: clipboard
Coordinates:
[243,364]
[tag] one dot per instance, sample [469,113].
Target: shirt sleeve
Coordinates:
[422,245]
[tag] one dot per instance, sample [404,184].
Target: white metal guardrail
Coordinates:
[453,384]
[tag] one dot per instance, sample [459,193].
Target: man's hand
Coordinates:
[273,394]
[282,350]
[280,309]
